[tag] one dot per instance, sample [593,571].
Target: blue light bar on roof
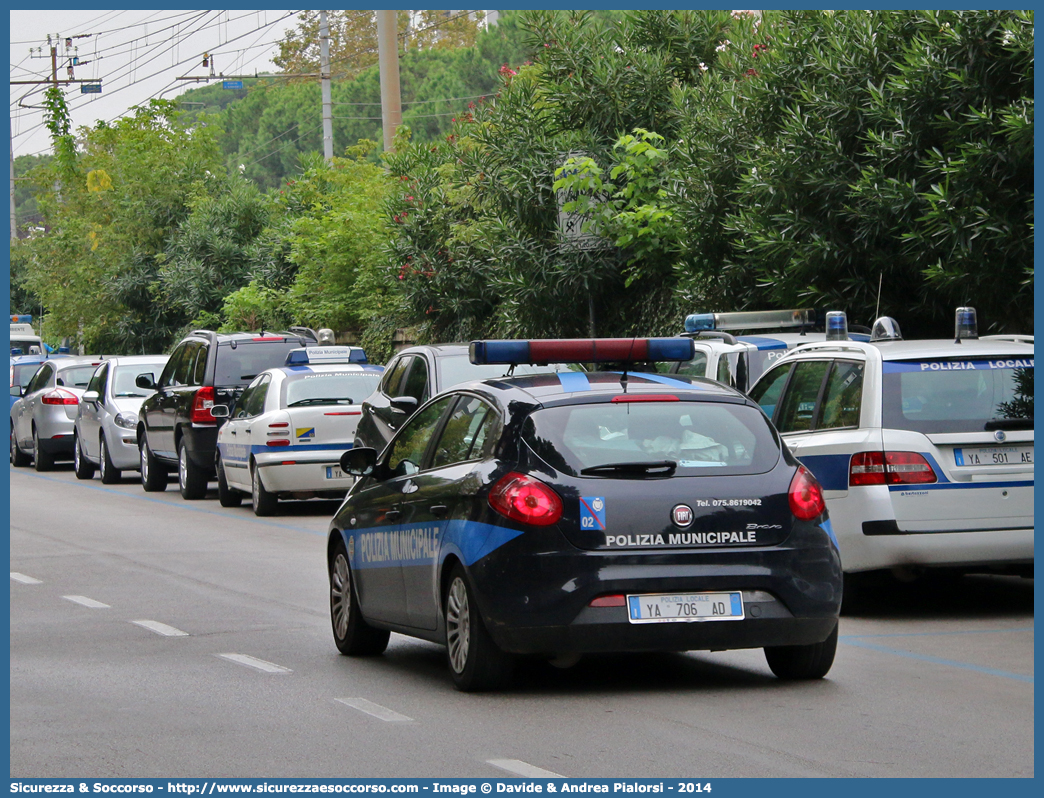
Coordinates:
[23,318]
[582,350]
[314,355]
[750,320]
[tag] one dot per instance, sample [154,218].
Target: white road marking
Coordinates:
[371,708]
[520,768]
[254,662]
[25,580]
[161,628]
[87,602]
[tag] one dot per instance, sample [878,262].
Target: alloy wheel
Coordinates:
[458,625]
[340,595]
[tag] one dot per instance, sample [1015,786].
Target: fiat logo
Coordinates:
[681,515]
[999,435]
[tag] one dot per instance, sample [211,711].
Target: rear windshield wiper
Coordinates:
[1009,423]
[658,468]
[318,400]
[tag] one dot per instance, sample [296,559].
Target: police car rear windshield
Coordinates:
[456,369]
[701,438]
[329,388]
[937,396]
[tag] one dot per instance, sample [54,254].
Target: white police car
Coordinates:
[290,426]
[738,360]
[924,449]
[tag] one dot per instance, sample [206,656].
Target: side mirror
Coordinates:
[16,390]
[146,381]
[359,462]
[404,404]
[219,411]
[90,396]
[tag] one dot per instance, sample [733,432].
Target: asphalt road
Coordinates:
[154,637]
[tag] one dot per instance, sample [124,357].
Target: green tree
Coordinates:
[121,192]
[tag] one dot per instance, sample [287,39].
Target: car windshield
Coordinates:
[124,377]
[456,369]
[936,396]
[701,438]
[330,388]
[237,367]
[30,347]
[76,376]
[21,374]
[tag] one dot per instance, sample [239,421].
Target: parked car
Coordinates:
[23,367]
[416,374]
[736,358]
[108,417]
[288,429]
[924,448]
[559,514]
[43,418]
[176,428]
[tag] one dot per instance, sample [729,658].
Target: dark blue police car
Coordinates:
[559,514]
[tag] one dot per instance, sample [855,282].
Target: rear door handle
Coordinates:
[391,515]
[439,510]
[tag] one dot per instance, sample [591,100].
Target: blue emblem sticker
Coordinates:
[592,512]
[305,432]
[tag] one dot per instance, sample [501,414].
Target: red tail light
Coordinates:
[201,406]
[60,397]
[525,499]
[279,425]
[806,497]
[283,442]
[615,600]
[890,468]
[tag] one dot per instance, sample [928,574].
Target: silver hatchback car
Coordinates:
[42,418]
[108,416]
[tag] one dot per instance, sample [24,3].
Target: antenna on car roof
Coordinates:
[630,354]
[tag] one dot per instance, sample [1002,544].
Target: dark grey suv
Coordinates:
[176,428]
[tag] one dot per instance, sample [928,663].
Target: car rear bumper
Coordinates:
[61,444]
[540,602]
[986,547]
[307,474]
[612,632]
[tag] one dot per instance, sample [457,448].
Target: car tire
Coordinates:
[803,662]
[19,459]
[352,635]
[226,496]
[191,480]
[110,475]
[475,662]
[42,461]
[82,467]
[153,472]
[264,502]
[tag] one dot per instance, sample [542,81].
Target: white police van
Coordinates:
[290,426]
[924,449]
[739,359]
[24,340]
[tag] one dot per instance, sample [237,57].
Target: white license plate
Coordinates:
[993,455]
[333,472]
[674,607]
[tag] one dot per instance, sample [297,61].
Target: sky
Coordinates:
[137,55]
